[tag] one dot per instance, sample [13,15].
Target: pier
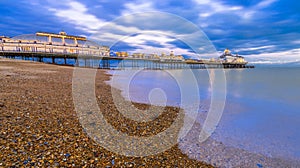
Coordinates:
[69,50]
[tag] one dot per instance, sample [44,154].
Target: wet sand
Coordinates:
[219,155]
[39,125]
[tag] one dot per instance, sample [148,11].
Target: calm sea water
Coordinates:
[261,111]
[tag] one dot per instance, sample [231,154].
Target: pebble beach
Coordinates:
[40,128]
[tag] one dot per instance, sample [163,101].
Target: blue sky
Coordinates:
[265,30]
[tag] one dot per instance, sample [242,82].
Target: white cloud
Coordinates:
[33,2]
[138,7]
[204,15]
[288,56]
[77,14]
[217,31]
[265,3]
[203,1]
[204,25]
[255,48]
[140,41]
[155,36]
[209,8]
[256,10]
[108,37]
[212,7]
[247,15]
[296,42]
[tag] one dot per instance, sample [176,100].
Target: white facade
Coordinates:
[17,45]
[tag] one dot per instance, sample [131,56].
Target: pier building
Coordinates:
[62,43]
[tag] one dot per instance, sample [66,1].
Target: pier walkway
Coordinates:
[111,62]
[78,51]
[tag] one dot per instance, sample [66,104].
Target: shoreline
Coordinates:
[39,126]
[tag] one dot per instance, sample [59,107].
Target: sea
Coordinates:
[261,111]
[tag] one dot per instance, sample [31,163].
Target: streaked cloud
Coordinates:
[77,13]
[137,7]
[212,7]
[282,57]
[265,3]
[255,48]
[296,42]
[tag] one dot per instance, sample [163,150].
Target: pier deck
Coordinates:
[72,50]
[106,62]
[112,62]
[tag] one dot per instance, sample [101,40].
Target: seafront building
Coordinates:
[53,43]
[172,57]
[163,57]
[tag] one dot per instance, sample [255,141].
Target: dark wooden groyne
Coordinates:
[111,62]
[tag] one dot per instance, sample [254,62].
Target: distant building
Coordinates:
[122,54]
[228,57]
[138,55]
[172,57]
[153,56]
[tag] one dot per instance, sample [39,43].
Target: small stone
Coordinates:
[56,164]
[259,165]
[25,162]
[129,164]
[67,155]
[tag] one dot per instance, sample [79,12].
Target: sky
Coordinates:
[261,30]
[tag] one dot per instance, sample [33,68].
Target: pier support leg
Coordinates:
[76,62]
[53,60]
